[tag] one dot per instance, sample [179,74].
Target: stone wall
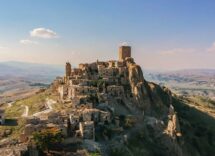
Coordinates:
[81,90]
[87,130]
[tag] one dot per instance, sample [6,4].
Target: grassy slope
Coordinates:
[13,114]
[35,104]
[196,117]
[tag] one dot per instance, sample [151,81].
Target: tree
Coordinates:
[46,138]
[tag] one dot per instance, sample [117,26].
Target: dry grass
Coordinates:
[13,114]
[35,103]
[203,104]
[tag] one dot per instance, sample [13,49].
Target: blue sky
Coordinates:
[164,34]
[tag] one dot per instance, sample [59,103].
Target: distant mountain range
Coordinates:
[47,72]
[30,71]
[20,79]
[200,82]
[180,75]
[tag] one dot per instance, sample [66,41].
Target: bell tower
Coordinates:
[68,69]
[124,51]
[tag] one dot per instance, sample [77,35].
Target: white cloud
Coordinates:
[123,44]
[43,33]
[212,48]
[176,51]
[26,42]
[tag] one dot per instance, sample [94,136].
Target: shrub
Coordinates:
[46,138]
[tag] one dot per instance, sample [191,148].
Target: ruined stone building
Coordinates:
[95,86]
[100,89]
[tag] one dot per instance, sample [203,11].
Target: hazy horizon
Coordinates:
[76,65]
[164,35]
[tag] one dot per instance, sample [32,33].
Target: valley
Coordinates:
[19,80]
[197,82]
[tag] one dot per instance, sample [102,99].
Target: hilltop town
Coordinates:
[101,92]
[100,107]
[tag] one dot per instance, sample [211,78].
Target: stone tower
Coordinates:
[124,51]
[68,69]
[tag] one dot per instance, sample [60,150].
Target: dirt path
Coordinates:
[25,114]
[10,104]
[49,103]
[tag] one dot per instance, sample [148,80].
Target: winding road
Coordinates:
[48,105]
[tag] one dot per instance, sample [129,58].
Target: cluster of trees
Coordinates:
[47,138]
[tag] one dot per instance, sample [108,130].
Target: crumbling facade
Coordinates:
[53,119]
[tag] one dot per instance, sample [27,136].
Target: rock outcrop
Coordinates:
[173,126]
[138,89]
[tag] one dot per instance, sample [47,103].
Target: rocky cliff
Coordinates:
[147,96]
[164,128]
[156,120]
